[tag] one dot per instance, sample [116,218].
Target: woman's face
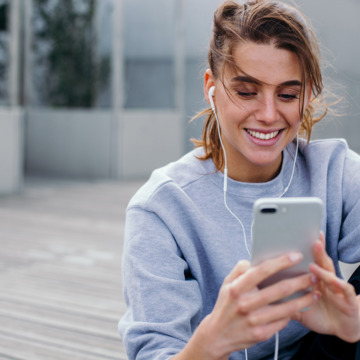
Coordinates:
[258,109]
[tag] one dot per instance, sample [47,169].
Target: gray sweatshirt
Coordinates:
[181,242]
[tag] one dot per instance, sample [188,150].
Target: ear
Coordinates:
[208,83]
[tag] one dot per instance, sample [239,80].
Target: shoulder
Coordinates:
[332,157]
[172,178]
[325,146]
[326,152]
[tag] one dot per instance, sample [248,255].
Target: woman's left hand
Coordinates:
[337,312]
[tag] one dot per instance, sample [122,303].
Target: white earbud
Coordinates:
[211,95]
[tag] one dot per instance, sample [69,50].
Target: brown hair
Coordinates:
[262,22]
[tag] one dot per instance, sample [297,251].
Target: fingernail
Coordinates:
[295,257]
[313,279]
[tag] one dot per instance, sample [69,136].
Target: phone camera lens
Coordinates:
[268,210]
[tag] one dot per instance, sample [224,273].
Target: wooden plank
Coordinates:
[60,270]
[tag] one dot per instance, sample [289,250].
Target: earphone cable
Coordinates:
[293,169]
[276,352]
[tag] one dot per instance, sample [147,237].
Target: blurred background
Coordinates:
[94,95]
[105,89]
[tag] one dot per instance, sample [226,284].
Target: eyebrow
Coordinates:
[250,80]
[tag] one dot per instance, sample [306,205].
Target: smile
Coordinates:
[263,136]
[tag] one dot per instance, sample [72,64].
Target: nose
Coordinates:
[267,110]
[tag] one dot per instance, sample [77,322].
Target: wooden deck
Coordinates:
[60,280]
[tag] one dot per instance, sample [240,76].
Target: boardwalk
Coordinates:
[60,279]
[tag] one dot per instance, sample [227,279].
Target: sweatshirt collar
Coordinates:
[272,188]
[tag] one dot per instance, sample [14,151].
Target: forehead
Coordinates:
[266,63]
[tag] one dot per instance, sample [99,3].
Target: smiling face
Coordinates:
[258,109]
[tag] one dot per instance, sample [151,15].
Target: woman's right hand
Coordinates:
[244,315]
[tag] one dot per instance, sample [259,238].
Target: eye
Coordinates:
[288,97]
[246,95]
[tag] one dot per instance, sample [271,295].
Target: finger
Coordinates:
[264,332]
[283,310]
[335,284]
[299,315]
[240,268]
[274,293]
[326,277]
[256,274]
[320,255]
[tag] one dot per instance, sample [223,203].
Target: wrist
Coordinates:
[207,339]
[202,345]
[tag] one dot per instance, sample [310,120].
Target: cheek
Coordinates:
[230,122]
[236,113]
[295,127]
[292,116]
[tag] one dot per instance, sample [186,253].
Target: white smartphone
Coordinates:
[282,225]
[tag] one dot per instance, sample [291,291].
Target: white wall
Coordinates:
[150,139]
[98,144]
[72,143]
[11,149]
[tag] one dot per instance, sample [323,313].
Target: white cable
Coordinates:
[276,353]
[293,169]
[223,148]
[225,184]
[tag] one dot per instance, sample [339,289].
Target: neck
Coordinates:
[253,173]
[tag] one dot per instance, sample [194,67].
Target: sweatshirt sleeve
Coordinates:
[349,245]
[163,299]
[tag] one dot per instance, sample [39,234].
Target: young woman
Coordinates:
[189,286]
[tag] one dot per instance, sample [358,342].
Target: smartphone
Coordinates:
[283,225]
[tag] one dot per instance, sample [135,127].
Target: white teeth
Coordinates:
[263,136]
